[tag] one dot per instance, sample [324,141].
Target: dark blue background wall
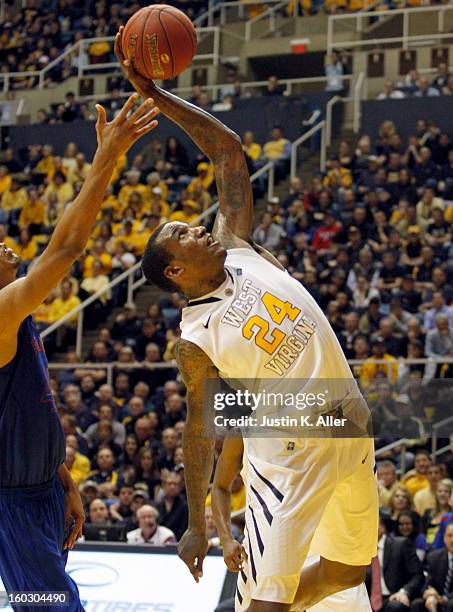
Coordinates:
[256,114]
[404,113]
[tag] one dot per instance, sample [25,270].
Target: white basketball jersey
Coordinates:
[262,323]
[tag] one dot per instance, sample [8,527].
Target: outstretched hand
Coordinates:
[117,136]
[144,86]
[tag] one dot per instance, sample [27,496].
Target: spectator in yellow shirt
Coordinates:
[338,176]
[46,165]
[5,179]
[78,465]
[371,369]
[238,496]
[63,190]
[79,171]
[415,480]
[139,207]
[158,201]
[26,246]
[132,186]
[278,150]
[251,148]
[154,180]
[99,253]
[14,198]
[189,213]
[43,314]
[33,214]
[205,177]
[110,201]
[119,167]
[201,197]
[131,237]
[66,302]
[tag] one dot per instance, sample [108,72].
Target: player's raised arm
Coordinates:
[19,298]
[198,444]
[218,142]
[227,468]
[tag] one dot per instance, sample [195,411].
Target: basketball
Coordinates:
[160,40]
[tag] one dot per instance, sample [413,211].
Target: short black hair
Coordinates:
[155,259]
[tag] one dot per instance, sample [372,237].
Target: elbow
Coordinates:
[231,145]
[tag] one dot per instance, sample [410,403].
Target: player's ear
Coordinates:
[174,272]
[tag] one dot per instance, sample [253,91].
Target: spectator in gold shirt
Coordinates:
[98,253]
[132,186]
[62,189]
[14,199]
[26,247]
[387,482]
[415,480]
[79,171]
[33,214]
[188,214]
[5,179]
[251,148]
[46,165]
[154,180]
[66,302]
[205,177]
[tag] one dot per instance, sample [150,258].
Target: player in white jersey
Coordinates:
[247,318]
[239,558]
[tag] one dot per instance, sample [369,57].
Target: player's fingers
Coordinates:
[102,116]
[141,132]
[142,110]
[147,118]
[76,532]
[127,107]
[119,44]
[199,565]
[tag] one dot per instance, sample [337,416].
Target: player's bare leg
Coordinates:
[325,578]
[268,606]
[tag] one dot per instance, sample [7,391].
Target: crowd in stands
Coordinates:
[36,35]
[370,238]
[419,86]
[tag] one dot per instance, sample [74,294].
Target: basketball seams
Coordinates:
[143,37]
[189,32]
[168,41]
[152,21]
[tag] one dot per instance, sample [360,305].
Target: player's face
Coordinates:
[192,245]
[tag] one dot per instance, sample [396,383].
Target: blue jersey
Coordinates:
[32,443]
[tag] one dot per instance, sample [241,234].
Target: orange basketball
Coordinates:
[160,40]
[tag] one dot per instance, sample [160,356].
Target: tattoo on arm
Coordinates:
[199,438]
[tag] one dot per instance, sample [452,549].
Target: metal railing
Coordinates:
[356,98]
[398,444]
[353,22]
[249,88]
[111,366]
[270,15]
[129,275]
[435,437]
[319,127]
[218,12]
[79,51]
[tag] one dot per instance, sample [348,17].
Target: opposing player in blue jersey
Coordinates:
[38,498]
